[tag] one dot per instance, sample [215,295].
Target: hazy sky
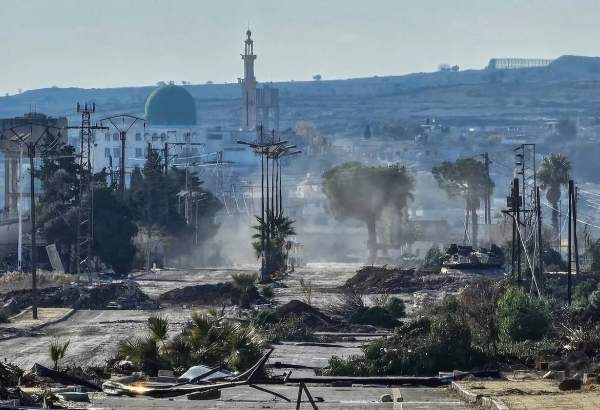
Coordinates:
[108,43]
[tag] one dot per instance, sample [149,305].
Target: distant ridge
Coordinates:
[222,99]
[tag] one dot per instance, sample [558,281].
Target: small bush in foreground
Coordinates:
[375,316]
[522,317]
[292,329]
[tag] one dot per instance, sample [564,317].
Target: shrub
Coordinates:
[396,307]
[479,303]
[522,317]
[307,289]
[57,351]
[375,316]
[267,292]
[594,300]
[244,282]
[582,292]
[208,339]
[292,329]
[421,347]
[3,316]
[265,317]
[433,259]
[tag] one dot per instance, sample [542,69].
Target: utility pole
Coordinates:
[270,192]
[127,121]
[569,255]
[487,200]
[28,140]
[517,225]
[575,240]
[85,214]
[540,244]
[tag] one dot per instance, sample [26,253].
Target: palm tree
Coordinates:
[278,229]
[553,174]
[467,178]
[57,351]
[244,282]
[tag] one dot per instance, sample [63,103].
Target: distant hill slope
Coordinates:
[569,84]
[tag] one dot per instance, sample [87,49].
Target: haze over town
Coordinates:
[335,205]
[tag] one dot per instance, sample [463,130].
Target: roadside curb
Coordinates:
[62,318]
[477,399]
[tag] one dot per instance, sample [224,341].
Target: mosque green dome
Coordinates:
[170,105]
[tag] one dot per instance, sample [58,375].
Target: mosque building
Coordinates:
[172,117]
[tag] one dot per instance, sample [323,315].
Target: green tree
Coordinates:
[58,203]
[467,178]
[363,192]
[114,230]
[554,173]
[157,204]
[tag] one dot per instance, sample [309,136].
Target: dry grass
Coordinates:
[22,280]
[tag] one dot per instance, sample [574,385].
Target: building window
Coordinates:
[154,136]
[138,136]
[107,137]
[138,153]
[163,137]
[117,152]
[106,152]
[115,136]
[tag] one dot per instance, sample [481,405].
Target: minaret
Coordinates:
[248,84]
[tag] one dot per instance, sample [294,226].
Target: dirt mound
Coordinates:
[376,279]
[211,295]
[311,316]
[119,295]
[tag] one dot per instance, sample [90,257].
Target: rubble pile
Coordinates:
[376,279]
[311,316]
[211,295]
[118,295]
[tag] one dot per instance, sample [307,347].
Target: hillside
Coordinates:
[570,86]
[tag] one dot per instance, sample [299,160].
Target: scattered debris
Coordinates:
[211,295]
[379,279]
[121,295]
[63,377]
